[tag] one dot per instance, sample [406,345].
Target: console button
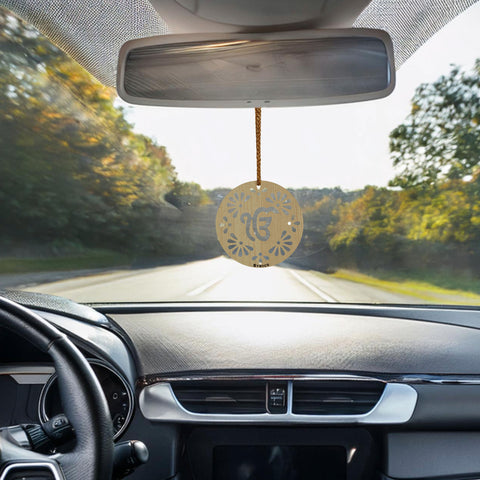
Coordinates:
[277,397]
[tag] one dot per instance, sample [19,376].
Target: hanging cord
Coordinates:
[258,133]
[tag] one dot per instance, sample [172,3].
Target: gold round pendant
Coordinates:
[259,226]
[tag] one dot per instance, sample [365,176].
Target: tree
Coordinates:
[440,139]
[71,166]
[187,194]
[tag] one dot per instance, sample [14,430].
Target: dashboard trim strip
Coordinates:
[152,380]
[408,379]
[396,405]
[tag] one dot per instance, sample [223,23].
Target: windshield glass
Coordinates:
[101,201]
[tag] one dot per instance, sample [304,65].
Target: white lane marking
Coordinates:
[314,289]
[205,286]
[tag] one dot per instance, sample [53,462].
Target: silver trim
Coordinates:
[290,397]
[57,475]
[26,370]
[28,374]
[409,379]
[268,377]
[31,379]
[443,380]
[42,414]
[396,405]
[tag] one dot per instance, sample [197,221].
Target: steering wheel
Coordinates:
[83,401]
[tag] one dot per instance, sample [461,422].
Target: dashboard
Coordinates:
[269,391]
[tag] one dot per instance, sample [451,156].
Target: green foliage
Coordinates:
[433,220]
[440,139]
[185,194]
[410,229]
[71,166]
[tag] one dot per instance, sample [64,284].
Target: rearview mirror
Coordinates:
[312,67]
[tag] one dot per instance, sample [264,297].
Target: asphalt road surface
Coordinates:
[219,279]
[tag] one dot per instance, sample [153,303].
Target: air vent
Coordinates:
[335,397]
[242,397]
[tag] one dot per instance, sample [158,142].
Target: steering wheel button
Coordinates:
[59,422]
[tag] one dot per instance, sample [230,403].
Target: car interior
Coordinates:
[236,390]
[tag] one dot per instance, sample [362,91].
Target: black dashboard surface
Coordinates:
[170,343]
[174,342]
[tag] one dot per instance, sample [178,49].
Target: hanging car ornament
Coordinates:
[259,223]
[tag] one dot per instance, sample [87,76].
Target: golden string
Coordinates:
[258,134]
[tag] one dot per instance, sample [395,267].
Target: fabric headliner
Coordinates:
[93,31]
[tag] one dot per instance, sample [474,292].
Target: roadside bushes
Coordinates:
[410,229]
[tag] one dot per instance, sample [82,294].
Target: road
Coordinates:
[219,279]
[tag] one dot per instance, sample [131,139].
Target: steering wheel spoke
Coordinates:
[16,462]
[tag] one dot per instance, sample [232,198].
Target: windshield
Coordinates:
[101,201]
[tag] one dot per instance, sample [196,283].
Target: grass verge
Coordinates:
[428,291]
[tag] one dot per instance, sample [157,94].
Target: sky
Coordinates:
[326,146]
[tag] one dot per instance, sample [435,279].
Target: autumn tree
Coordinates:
[71,166]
